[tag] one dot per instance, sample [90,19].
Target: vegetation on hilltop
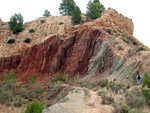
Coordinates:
[16,23]
[76,15]
[46,13]
[67,6]
[95,9]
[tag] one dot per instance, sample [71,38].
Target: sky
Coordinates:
[137,10]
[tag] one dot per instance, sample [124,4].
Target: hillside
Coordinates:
[84,55]
[98,49]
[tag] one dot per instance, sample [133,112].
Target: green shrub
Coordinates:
[3,96]
[146,80]
[90,85]
[110,99]
[114,30]
[141,49]
[27,40]
[128,86]
[32,80]
[135,43]
[100,93]
[31,30]
[39,91]
[105,83]
[34,107]
[125,39]
[43,21]
[108,30]
[134,111]
[18,104]
[135,101]
[11,41]
[61,77]
[1,28]
[146,93]
[61,23]
[120,48]
[107,99]
[9,77]
[123,108]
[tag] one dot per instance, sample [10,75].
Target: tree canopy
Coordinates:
[16,23]
[95,9]
[66,7]
[76,15]
[96,1]
[46,13]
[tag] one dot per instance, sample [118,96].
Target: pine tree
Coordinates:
[76,15]
[95,9]
[88,5]
[96,1]
[16,23]
[66,7]
[46,13]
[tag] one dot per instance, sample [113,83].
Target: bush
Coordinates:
[125,39]
[61,77]
[32,80]
[146,80]
[34,107]
[105,83]
[120,48]
[27,40]
[11,41]
[135,101]
[9,77]
[107,99]
[135,43]
[146,93]
[43,21]
[123,108]
[108,30]
[3,96]
[31,30]
[141,49]
[61,23]
[134,111]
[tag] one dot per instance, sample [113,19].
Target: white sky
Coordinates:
[137,10]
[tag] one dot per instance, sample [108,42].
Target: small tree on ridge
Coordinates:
[76,15]
[16,23]
[66,7]
[95,9]
[46,13]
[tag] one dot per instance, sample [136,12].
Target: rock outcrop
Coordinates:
[70,55]
[96,50]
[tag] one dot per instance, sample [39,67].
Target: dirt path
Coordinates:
[80,100]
